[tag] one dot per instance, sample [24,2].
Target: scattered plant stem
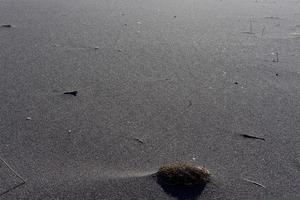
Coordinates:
[252,137]
[16,174]
[254,182]
[263,31]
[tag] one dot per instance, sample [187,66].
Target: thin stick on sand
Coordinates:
[263,31]
[251,26]
[252,137]
[255,183]
[16,174]
[6,26]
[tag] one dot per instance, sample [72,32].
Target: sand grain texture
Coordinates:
[143,91]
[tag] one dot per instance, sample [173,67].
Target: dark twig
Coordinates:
[74,93]
[10,189]
[6,26]
[252,137]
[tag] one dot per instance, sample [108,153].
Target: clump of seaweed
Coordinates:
[183,174]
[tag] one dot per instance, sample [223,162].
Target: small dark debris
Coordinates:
[125,24]
[6,26]
[190,103]
[236,83]
[139,140]
[248,32]
[273,17]
[277,74]
[175,16]
[277,57]
[252,137]
[74,93]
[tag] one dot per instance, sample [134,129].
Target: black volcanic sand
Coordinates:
[158,90]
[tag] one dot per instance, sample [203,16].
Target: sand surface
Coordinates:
[158,81]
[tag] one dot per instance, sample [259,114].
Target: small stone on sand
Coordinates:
[183,174]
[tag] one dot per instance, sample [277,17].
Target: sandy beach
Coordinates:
[210,82]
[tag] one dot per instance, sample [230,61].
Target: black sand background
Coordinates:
[186,86]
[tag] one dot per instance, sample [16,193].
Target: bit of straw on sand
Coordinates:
[255,183]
